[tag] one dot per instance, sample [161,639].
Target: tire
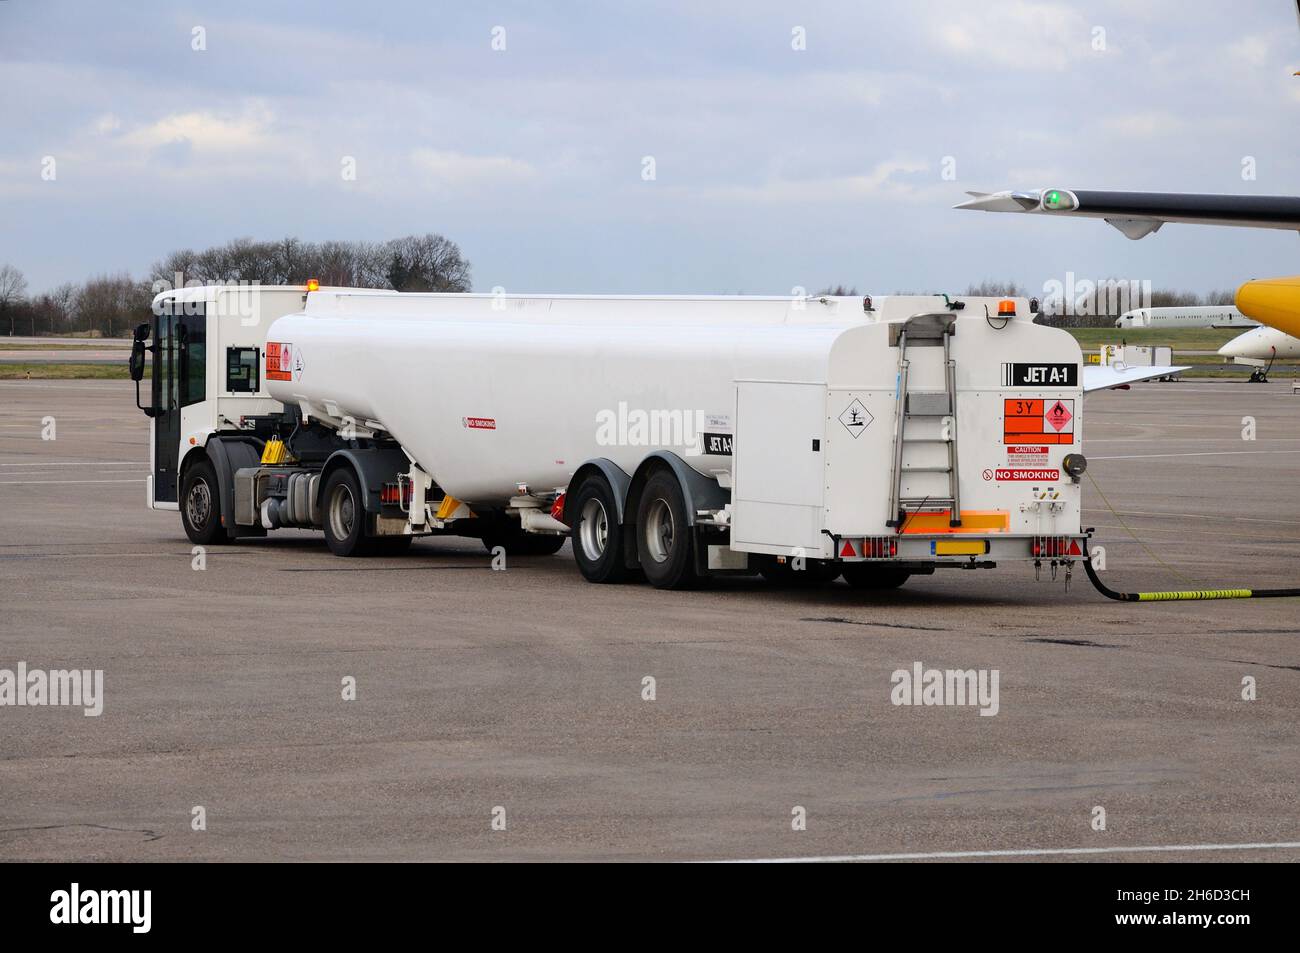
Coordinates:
[504,531]
[343,515]
[200,505]
[816,572]
[596,532]
[665,540]
[871,576]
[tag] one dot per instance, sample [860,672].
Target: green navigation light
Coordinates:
[1056,200]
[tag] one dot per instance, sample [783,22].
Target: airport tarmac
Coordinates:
[53,350]
[521,690]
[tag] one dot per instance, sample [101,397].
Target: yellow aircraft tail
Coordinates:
[1272,301]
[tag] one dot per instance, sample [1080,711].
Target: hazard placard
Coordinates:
[1059,416]
[1037,421]
[279,361]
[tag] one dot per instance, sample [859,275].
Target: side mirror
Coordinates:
[137,364]
[137,361]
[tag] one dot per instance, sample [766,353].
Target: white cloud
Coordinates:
[1013,34]
[886,179]
[455,168]
[1146,125]
[107,124]
[1251,50]
[206,132]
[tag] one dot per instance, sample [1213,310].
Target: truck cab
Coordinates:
[206,363]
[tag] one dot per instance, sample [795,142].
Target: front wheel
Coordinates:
[665,541]
[201,505]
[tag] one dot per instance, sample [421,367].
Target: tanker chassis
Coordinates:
[671,438]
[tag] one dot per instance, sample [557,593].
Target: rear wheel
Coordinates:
[665,540]
[872,576]
[200,505]
[345,515]
[597,535]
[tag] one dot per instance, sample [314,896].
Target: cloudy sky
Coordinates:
[773,167]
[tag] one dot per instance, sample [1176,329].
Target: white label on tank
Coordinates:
[718,422]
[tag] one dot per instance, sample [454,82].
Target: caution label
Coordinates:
[479,423]
[1022,455]
[1018,474]
[279,361]
[1033,422]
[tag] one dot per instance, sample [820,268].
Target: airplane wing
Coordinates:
[1104,377]
[1138,214]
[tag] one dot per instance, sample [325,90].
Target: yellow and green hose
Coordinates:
[1185,595]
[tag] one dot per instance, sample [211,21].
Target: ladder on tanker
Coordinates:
[924,330]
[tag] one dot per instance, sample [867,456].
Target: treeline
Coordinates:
[1079,303]
[111,305]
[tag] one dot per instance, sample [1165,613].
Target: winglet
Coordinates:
[1009,201]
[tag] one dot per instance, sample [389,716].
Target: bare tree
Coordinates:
[12,288]
[63,305]
[426,263]
[1169,298]
[996,289]
[111,304]
[414,263]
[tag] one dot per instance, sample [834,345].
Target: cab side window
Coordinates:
[242,369]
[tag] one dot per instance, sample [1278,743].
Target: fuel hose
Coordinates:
[1184,595]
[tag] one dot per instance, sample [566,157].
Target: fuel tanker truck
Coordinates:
[669,438]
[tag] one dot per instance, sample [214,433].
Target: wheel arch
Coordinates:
[373,467]
[614,475]
[226,454]
[699,491]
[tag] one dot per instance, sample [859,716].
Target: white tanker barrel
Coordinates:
[485,406]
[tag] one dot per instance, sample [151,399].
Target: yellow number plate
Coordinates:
[960,547]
